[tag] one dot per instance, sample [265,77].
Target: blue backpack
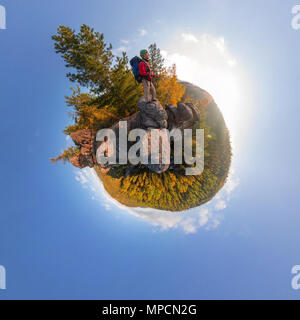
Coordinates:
[134,62]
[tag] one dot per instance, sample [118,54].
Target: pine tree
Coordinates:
[66,155]
[88,54]
[157,63]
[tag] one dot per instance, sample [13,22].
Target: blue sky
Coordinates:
[62,238]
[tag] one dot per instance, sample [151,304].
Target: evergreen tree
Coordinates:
[88,54]
[66,155]
[156,62]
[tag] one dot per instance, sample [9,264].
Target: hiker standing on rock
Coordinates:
[143,74]
[147,75]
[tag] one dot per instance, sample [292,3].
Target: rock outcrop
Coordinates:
[151,115]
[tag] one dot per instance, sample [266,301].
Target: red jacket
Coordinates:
[145,71]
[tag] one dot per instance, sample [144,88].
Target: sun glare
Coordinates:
[205,61]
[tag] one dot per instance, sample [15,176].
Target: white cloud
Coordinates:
[189,37]
[188,225]
[220,44]
[82,178]
[69,142]
[220,205]
[231,62]
[124,41]
[142,32]
[204,214]
[120,49]
[232,182]
[164,53]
